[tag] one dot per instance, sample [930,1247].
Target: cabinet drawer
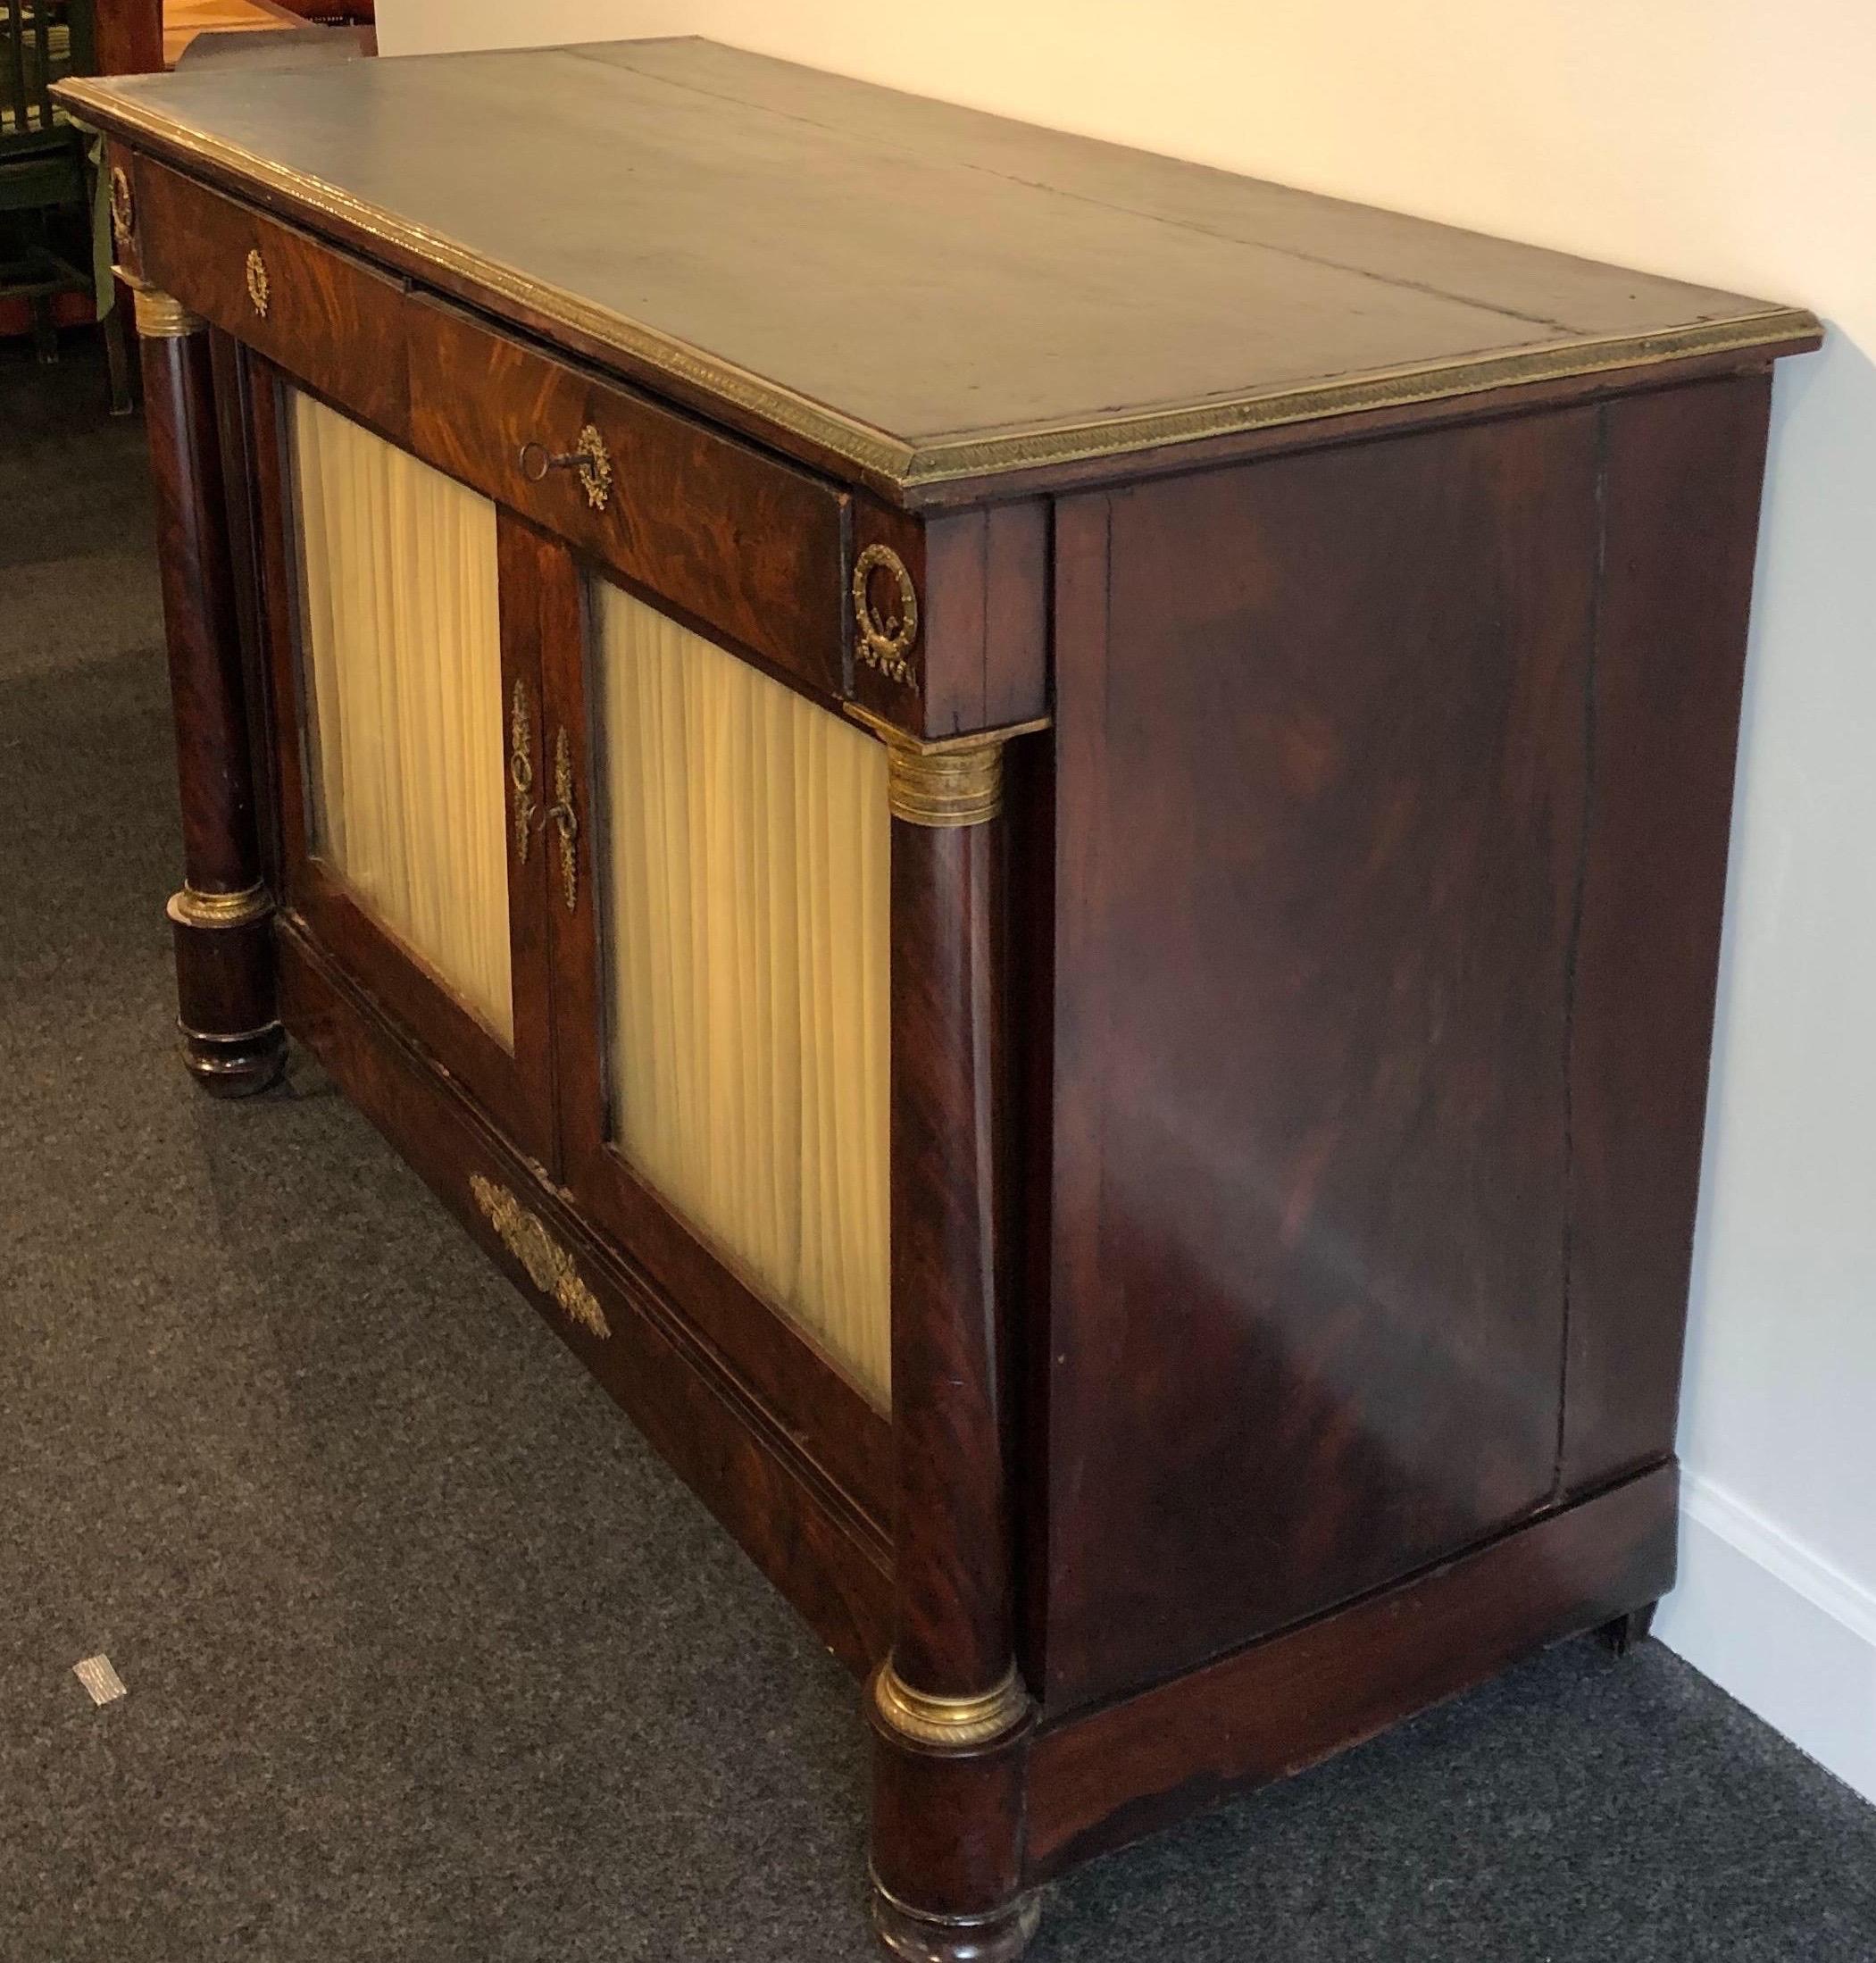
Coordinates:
[746,546]
[324,317]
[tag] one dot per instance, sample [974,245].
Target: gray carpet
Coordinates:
[428,1657]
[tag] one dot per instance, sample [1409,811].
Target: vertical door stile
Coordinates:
[568,846]
[539,600]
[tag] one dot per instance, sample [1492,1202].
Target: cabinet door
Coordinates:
[722,990]
[406,616]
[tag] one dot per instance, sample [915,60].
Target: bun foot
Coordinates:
[1621,1635]
[236,1066]
[999,1937]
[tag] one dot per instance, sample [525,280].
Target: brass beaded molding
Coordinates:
[190,908]
[957,1722]
[894,461]
[124,206]
[944,787]
[944,780]
[160,317]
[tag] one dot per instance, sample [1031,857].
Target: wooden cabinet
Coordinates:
[626,887]
[1040,836]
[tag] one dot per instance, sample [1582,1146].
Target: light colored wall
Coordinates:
[1731,142]
[428,27]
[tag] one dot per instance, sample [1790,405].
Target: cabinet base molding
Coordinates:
[827,1558]
[1102,1779]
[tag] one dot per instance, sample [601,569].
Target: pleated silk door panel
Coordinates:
[413,677]
[730,1115]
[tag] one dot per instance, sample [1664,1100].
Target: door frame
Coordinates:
[516,1087]
[811,1391]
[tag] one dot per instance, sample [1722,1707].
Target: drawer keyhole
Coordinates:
[588,458]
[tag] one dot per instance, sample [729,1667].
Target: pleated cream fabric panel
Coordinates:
[746,900]
[402,665]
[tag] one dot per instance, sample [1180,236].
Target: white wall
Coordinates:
[1731,142]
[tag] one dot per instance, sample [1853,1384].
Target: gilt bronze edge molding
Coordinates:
[943,782]
[908,466]
[193,909]
[870,450]
[959,1723]
[159,315]
[1364,393]
[938,746]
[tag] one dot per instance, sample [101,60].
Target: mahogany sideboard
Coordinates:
[1038,834]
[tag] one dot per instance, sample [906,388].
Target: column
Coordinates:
[222,918]
[951,1718]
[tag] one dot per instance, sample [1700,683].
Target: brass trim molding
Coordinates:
[956,1722]
[947,788]
[885,640]
[161,318]
[942,780]
[123,208]
[190,908]
[908,466]
[547,1265]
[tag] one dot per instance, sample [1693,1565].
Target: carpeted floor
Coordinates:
[428,1658]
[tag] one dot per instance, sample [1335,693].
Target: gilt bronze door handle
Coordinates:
[520,772]
[564,818]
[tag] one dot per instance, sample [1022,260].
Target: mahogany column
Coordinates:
[951,1718]
[231,1035]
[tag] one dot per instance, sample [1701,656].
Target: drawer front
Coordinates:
[324,317]
[746,546]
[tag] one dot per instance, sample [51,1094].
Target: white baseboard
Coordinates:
[1793,1638]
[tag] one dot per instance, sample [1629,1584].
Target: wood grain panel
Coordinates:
[750,548]
[1682,500]
[328,320]
[1319,769]
[1265,1712]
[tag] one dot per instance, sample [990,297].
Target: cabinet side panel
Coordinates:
[1320,757]
[1684,468]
